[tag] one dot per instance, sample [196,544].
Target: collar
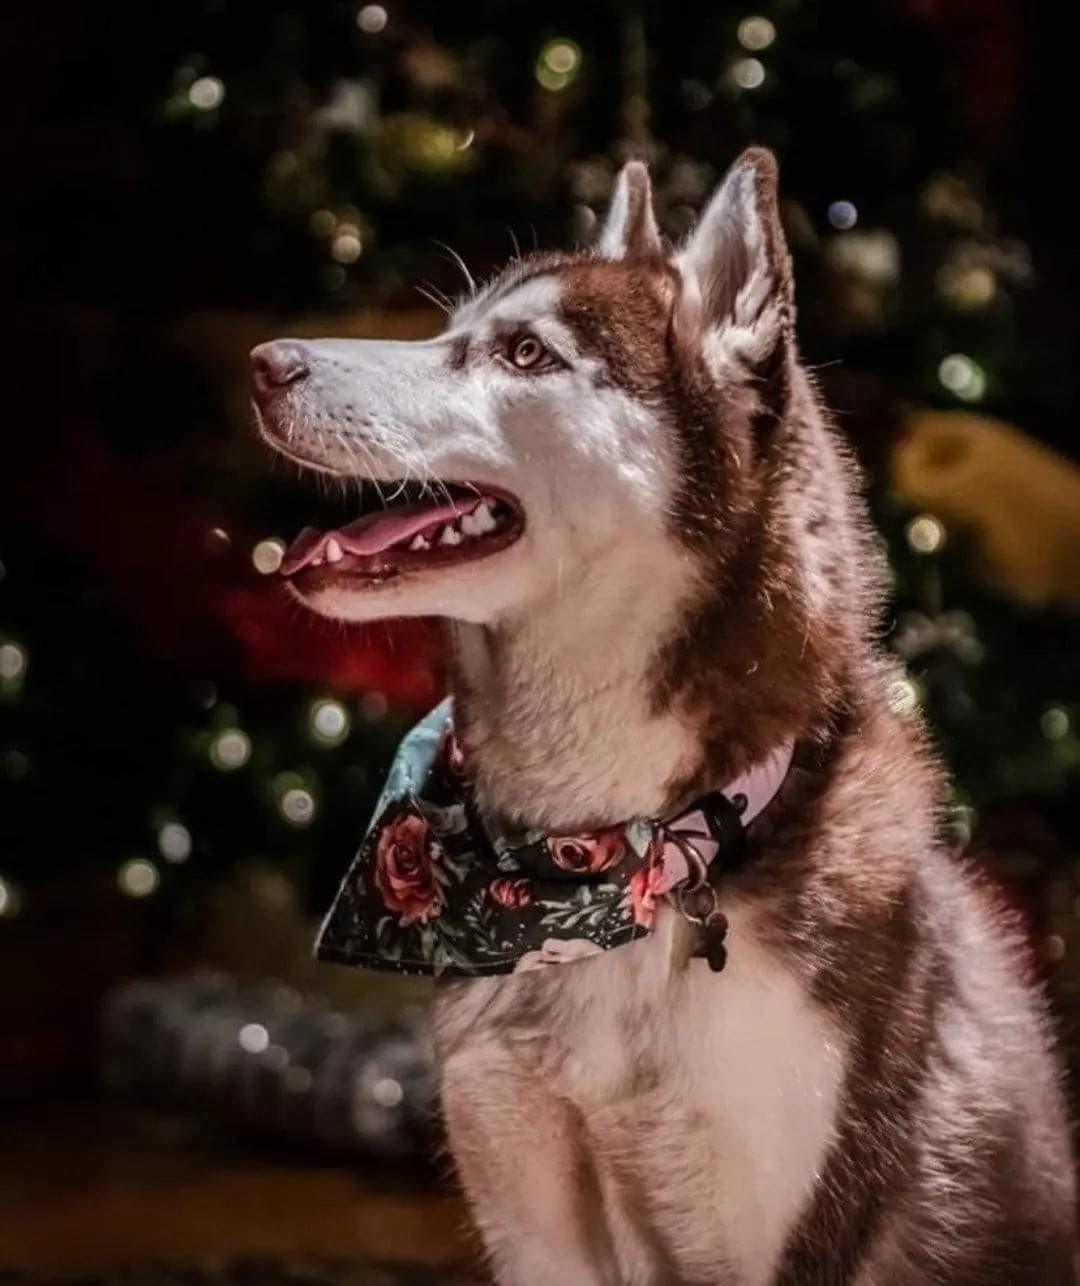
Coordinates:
[436,889]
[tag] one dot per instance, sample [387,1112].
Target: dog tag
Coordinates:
[701,907]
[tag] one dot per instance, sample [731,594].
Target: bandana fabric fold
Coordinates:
[434,890]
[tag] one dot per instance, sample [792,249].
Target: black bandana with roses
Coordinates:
[434,891]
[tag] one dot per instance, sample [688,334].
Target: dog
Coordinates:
[650,547]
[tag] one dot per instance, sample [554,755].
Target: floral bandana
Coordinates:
[435,889]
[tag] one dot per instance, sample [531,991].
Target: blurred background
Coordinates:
[187,762]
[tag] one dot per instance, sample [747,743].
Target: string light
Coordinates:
[206,93]
[903,696]
[138,878]
[267,555]
[748,73]
[328,722]
[13,662]
[388,1092]
[968,288]
[10,900]
[295,800]
[1055,723]
[842,215]
[253,1038]
[371,19]
[174,842]
[872,256]
[558,64]
[217,540]
[298,806]
[756,33]
[347,247]
[963,377]
[925,534]
[230,749]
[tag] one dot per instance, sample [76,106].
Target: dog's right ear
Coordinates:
[630,230]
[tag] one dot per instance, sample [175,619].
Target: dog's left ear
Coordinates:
[736,292]
[630,231]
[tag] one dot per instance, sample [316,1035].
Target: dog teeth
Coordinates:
[334,552]
[450,536]
[484,518]
[470,525]
[420,542]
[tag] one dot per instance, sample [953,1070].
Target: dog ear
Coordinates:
[630,230]
[737,288]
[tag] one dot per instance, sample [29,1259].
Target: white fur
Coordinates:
[727,1144]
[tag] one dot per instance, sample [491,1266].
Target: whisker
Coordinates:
[469,279]
[429,294]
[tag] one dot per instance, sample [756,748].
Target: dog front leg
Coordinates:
[527,1175]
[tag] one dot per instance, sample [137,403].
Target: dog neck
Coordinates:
[556,707]
[629,692]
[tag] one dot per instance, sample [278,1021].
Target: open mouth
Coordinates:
[437,526]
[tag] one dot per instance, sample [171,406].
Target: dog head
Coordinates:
[579,409]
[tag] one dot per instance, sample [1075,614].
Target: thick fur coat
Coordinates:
[867,1093]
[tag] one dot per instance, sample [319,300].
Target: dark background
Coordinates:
[185,761]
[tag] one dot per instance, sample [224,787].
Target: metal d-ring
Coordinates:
[703,915]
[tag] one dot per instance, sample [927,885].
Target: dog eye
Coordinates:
[527,352]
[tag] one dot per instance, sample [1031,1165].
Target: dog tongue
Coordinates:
[373,533]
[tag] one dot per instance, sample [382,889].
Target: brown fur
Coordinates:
[948,1164]
[867,1095]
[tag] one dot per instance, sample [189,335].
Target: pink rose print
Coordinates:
[587,854]
[407,872]
[510,893]
[647,884]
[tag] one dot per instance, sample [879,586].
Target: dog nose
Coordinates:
[277,364]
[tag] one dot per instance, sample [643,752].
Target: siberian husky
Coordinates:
[656,567]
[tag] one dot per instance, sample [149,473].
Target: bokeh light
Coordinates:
[347,247]
[253,1038]
[206,93]
[328,722]
[558,64]
[298,806]
[371,19]
[925,534]
[267,555]
[842,215]
[1055,723]
[10,899]
[230,749]
[748,73]
[174,842]
[963,377]
[13,662]
[756,33]
[903,696]
[138,878]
